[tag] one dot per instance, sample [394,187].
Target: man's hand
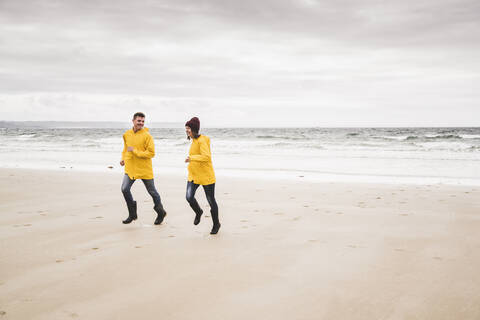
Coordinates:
[122,163]
[129,149]
[187,159]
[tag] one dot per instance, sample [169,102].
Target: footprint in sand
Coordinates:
[305,206]
[59,261]
[96,205]
[255,211]
[339,212]
[379,198]
[226,193]
[171,236]
[243,220]
[2,313]
[296,218]
[95,248]
[317,209]
[16,225]
[438,258]
[27,225]
[137,247]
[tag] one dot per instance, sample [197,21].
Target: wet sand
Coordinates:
[286,250]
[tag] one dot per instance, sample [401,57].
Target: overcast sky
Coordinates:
[242,63]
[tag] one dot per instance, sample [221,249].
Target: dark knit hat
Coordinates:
[194,124]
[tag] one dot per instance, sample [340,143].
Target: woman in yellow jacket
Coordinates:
[200,172]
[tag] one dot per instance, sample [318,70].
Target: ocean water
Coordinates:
[386,155]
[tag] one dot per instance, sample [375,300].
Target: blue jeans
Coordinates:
[209,192]
[149,184]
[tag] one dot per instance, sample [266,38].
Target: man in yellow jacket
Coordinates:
[138,151]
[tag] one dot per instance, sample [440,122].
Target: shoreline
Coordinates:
[277,175]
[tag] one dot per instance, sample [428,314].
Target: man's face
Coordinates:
[138,123]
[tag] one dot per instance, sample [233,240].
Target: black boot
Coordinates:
[198,215]
[215,228]
[161,214]
[216,223]
[132,213]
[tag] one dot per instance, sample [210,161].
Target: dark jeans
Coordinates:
[209,192]
[149,184]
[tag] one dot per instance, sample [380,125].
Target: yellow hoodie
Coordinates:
[138,163]
[200,168]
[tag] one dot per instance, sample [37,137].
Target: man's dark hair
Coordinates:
[138,114]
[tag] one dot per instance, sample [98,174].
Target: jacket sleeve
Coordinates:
[204,155]
[149,150]
[124,148]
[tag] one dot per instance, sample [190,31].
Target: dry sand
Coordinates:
[286,250]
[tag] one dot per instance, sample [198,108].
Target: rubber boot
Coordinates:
[198,216]
[132,213]
[216,223]
[161,213]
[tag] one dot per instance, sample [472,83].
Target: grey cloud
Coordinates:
[317,52]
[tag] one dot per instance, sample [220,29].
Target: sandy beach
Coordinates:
[286,250]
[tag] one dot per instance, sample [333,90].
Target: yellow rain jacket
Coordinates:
[138,163]
[200,168]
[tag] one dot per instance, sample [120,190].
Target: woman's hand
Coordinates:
[187,159]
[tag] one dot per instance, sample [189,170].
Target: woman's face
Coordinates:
[189,131]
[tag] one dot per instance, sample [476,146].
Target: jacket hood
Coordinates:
[141,130]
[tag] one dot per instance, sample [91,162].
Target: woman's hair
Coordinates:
[194,133]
